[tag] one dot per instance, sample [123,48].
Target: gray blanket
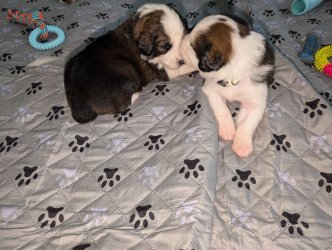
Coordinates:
[156,176]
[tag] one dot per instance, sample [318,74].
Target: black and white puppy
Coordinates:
[107,75]
[238,65]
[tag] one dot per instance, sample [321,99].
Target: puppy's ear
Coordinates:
[208,62]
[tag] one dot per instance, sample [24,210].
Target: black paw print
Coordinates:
[10,142]
[244,175]
[328,179]
[58,52]
[314,21]
[28,173]
[171,5]
[82,246]
[284,11]
[315,108]
[236,110]
[45,9]
[212,4]
[191,15]
[280,141]
[58,18]
[35,86]
[293,220]
[192,109]
[274,85]
[276,39]
[4,10]
[89,40]
[80,141]
[102,16]
[328,11]
[84,4]
[52,213]
[154,142]
[327,96]
[109,173]
[55,113]
[126,6]
[6,56]
[294,34]
[17,70]
[232,2]
[124,115]
[160,89]
[269,13]
[310,65]
[142,211]
[72,26]
[26,31]
[191,165]
[32,1]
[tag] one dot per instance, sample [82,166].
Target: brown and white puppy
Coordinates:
[106,76]
[237,65]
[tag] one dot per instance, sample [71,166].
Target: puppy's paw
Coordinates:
[227,130]
[242,145]
[134,97]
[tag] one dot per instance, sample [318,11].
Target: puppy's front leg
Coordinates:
[221,112]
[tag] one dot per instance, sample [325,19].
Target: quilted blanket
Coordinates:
[156,176]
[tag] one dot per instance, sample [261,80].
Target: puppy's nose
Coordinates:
[181,62]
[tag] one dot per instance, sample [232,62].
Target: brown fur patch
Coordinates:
[243,30]
[218,37]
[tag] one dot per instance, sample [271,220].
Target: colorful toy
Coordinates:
[322,60]
[35,20]
[311,45]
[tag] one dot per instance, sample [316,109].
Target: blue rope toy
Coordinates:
[312,44]
[35,21]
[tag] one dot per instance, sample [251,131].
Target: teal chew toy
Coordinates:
[35,20]
[300,7]
[48,45]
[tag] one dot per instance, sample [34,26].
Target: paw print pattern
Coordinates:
[191,166]
[124,115]
[55,112]
[328,179]
[53,214]
[72,26]
[45,9]
[160,89]
[81,143]
[281,143]
[327,96]
[109,173]
[57,52]
[5,57]
[284,11]
[235,112]
[171,5]
[28,173]
[269,13]
[32,1]
[58,18]
[192,109]
[328,11]
[89,40]
[244,175]
[154,139]
[84,4]
[126,6]
[274,85]
[212,4]
[314,21]
[26,31]
[294,34]
[102,16]
[142,212]
[10,142]
[232,2]
[17,70]
[293,219]
[315,107]
[277,39]
[191,15]
[35,87]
